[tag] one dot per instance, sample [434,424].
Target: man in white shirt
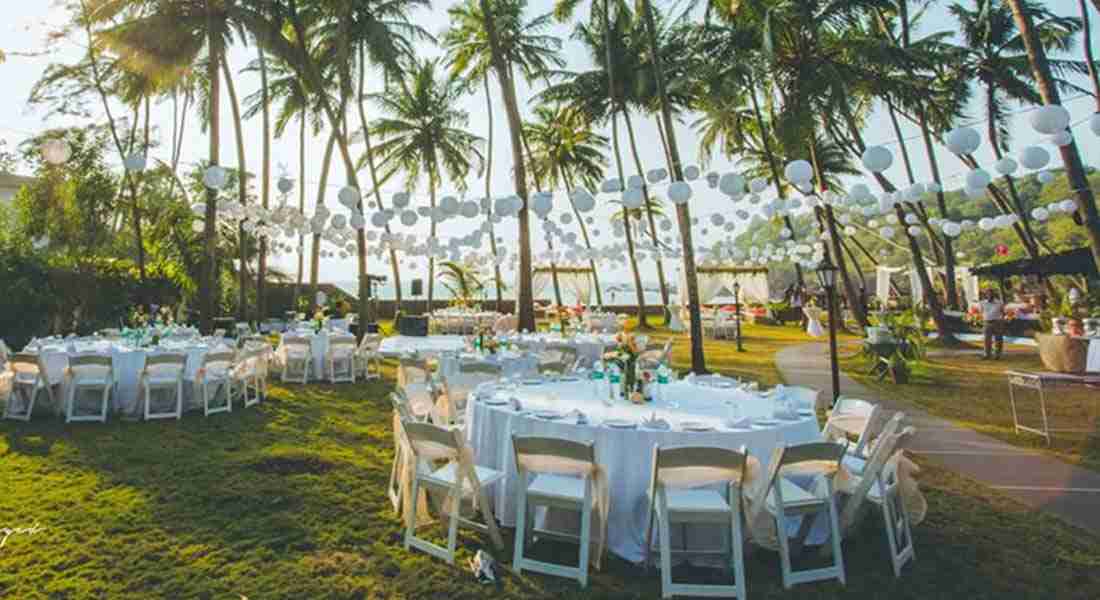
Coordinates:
[993,317]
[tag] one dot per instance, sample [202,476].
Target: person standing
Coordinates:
[993,311]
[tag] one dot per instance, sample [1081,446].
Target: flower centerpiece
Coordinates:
[319,319]
[625,355]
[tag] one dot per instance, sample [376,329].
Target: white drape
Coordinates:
[754,286]
[882,282]
[539,281]
[969,283]
[578,282]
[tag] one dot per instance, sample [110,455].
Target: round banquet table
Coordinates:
[590,346]
[511,363]
[624,454]
[400,345]
[318,347]
[127,363]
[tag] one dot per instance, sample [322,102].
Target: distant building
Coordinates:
[10,184]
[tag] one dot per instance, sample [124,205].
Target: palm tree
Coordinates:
[565,149]
[462,281]
[163,39]
[423,135]
[265,186]
[492,35]
[1086,214]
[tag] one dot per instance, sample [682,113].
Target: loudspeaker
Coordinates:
[417,287]
[413,326]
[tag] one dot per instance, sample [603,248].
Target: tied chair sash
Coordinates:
[906,471]
[761,524]
[601,505]
[405,475]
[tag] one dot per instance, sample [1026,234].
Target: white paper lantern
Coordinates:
[877,159]
[633,198]
[691,173]
[339,222]
[449,206]
[679,192]
[951,229]
[583,201]
[56,151]
[409,218]
[215,178]
[963,140]
[859,192]
[542,203]
[986,224]
[1005,166]
[634,181]
[611,185]
[732,184]
[656,175]
[378,219]
[1050,119]
[357,221]
[717,219]
[887,232]
[348,196]
[284,185]
[977,179]
[911,219]
[469,209]
[1040,214]
[565,218]
[1002,221]
[400,200]
[913,230]
[1034,157]
[799,172]
[758,185]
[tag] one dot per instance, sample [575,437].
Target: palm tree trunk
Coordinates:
[488,191]
[567,177]
[525,306]
[549,238]
[139,238]
[374,180]
[242,191]
[664,141]
[265,190]
[431,233]
[948,250]
[1087,42]
[698,359]
[315,251]
[648,211]
[639,291]
[210,232]
[1086,213]
[933,238]
[301,210]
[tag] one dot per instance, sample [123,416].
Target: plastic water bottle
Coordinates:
[661,390]
[614,382]
[597,378]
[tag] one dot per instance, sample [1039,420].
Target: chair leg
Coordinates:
[586,537]
[452,530]
[838,556]
[410,527]
[666,546]
[784,549]
[521,527]
[737,546]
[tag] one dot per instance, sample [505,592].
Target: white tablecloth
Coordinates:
[127,363]
[625,454]
[512,364]
[399,345]
[590,346]
[601,322]
[1093,364]
[318,347]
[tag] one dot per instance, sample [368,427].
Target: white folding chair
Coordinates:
[785,498]
[368,354]
[89,373]
[340,359]
[807,398]
[459,481]
[216,375]
[296,351]
[651,359]
[415,381]
[28,380]
[566,477]
[858,418]
[457,386]
[250,376]
[163,372]
[557,358]
[678,494]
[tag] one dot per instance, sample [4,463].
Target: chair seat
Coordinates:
[557,486]
[696,501]
[447,475]
[92,382]
[793,496]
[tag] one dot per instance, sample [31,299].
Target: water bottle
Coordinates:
[597,378]
[614,382]
[661,390]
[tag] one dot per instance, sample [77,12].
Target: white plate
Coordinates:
[765,422]
[495,401]
[695,426]
[548,414]
[721,384]
[620,423]
[569,378]
[533,381]
[806,412]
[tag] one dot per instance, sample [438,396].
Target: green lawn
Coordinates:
[974,393]
[287,500]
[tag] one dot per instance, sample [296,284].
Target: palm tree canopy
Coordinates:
[564,146]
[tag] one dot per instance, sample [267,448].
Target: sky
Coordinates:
[27,23]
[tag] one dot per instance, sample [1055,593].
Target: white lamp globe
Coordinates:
[859,192]
[633,198]
[963,140]
[408,218]
[543,202]
[877,159]
[339,222]
[215,178]
[449,206]
[849,231]
[717,219]
[583,201]
[977,179]
[732,184]
[951,229]
[634,181]
[913,230]
[1001,221]
[1050,119]
[1034,157]
[198,226]
[348,196]
[502,207]
[378,219]
[799,172]
[357,221]
[1005,166]
[679,192]
[691,173]
[887,232]
[911,219]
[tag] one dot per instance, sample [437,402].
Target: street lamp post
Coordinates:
[737,311]
[826,275]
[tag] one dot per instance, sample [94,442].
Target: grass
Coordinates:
[961,387]
[287,500]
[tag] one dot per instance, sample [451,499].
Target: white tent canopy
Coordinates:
[717,281]
[577,280]
[962,274]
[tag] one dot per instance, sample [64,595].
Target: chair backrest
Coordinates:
[874,471]
[370,342]
[827,454]
[695,466]
[294,340]
[167,363]
[412,370]
[432,442]
[853,406]
[537,454]
[806,397]
[342,341]
[26,364]
[211,358]
[89,360]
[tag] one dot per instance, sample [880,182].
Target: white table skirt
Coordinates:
[625,454]
[1093,363]
[400,345]
[127,364]
[318,347]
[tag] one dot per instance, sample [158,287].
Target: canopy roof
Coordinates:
[1071,262]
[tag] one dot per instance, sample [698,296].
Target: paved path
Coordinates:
[1036,479]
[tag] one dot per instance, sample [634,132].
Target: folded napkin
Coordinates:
[785,414]
[582,419]
[656,423]
[742,423]
[515,404]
